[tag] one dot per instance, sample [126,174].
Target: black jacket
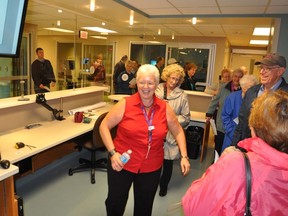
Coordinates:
[188,83]
[242,130]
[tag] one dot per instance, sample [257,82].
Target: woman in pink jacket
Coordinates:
[221,190]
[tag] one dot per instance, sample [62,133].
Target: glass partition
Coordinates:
[203,55]
[147,53]
[192,55]
[90,53]
[14,72]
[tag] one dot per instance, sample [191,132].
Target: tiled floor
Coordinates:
[51,192]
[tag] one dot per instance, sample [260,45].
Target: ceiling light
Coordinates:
[103,23]
[259,42]
[58,23]
[194,20]
[99,37]
[92,5]
[173,36]
[261,31]
[159,31]
[60,30]
[98,29]
[60,11]
[131,20]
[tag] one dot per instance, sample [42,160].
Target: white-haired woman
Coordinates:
[232,106]
[143,121]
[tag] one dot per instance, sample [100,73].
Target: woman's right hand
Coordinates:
[116,163]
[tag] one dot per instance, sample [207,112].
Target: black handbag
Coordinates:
[248,184]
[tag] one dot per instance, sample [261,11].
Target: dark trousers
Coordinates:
[119,183]
[166,174]
[219,138]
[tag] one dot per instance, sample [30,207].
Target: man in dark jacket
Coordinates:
[272,67]
[42,73]
[118,68]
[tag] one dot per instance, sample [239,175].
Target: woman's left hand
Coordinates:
[185,166]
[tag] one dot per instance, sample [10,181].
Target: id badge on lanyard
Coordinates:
[151,127]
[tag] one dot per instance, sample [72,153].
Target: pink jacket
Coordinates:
[221,189]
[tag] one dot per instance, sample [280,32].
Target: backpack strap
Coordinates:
[165,92]
[248,184]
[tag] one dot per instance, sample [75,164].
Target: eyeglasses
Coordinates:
[149,84]
[267,69]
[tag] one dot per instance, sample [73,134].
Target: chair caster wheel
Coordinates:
[70,173]
[93,181]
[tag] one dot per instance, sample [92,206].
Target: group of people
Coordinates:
[161,111]
[250,117]
[260,116]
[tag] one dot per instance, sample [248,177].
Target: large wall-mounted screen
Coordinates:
[12,20]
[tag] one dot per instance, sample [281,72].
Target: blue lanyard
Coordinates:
[150,126]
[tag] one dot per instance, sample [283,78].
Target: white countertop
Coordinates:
[117,97]
[6,173]
[48,135]
[198,93]
[13,101]
[198,116]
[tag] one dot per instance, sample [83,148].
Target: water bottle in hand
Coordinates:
[125,157]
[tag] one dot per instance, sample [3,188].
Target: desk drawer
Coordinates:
[44,158]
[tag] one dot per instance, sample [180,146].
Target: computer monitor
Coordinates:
[153,62]
[85,60]
[12,20]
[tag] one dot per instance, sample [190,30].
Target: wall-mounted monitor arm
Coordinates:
[40,99]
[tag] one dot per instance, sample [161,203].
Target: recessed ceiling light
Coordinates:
[60,11]
[259,42]
[131,18]
[60,30]
[261,31]
[194,20]
[98,29]
[92,5]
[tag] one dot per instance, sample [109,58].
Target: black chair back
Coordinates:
[97,140]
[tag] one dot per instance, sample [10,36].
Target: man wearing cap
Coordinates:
[272,67]
[172,61]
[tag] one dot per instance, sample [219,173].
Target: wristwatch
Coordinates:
[112,152]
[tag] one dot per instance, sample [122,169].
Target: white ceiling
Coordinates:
[233,19]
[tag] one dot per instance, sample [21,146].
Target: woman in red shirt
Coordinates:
[143,121]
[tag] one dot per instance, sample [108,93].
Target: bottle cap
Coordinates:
[129,151]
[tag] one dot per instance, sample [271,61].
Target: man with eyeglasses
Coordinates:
[272,67]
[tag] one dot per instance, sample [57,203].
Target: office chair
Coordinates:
[96,145]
